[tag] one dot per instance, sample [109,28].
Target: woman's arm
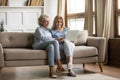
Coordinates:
[44,36]
[60,39]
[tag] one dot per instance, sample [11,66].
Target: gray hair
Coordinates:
[42,18]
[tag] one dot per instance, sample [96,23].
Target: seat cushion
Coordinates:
[24,54]
[85,51]
[30,54]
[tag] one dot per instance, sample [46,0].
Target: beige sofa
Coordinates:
[16,50]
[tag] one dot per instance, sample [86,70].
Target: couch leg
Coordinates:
[100,66]
[83,65]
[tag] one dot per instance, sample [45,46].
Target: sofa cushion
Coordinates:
[24,54]
[85,51]
[81,38]
[16,39]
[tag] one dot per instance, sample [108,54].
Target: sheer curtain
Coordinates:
[59,11]
[105,18]
[108,18]
[100,17]
[108,23]
[61,8]
[89,16]
[105,21]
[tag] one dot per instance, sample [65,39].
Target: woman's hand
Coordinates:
[60,39]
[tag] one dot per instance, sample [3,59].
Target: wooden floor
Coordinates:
[13,73]
[107,70]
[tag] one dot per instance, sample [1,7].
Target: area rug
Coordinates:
[42,73]
[82,77]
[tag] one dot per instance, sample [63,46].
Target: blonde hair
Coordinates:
[55,20]
[42,18]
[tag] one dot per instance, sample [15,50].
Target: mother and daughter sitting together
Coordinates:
[53,41]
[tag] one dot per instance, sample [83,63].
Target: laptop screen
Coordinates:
[72,35]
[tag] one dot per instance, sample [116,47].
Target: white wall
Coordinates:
[18,18]
[50,8]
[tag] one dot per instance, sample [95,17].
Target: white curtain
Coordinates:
[89,16]
[105,21]
[61,8]
[104,10]
[108,18]
[100,17]
[108,23]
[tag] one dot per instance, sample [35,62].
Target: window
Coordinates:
[117,17]
[76,24]
[118,4]
[118,25]
[76,10]
[76,6]
[75,14]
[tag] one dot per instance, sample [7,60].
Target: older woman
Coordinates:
[59,32]
[43,40]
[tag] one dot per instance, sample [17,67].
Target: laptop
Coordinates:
[72,35]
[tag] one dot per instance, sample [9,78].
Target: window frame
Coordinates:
[116,15]
[80,15]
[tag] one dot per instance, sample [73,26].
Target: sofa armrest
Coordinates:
[99,43]
[1,56]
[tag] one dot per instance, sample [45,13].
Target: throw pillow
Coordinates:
[81,37]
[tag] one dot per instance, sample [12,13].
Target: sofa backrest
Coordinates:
[16,39]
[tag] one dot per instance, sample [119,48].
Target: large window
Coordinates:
[119,24]
[118,4]
[76,6]
[76,14]
[76,24]
[117,17]
[76,10]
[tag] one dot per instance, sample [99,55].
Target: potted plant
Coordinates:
[2,26]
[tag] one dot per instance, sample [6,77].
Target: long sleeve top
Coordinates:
[59,34]
[41,35]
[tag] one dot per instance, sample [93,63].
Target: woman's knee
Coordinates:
[65,44]
[55,42]
[50,47]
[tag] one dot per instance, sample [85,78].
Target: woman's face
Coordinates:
[45,23]
[59,23]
